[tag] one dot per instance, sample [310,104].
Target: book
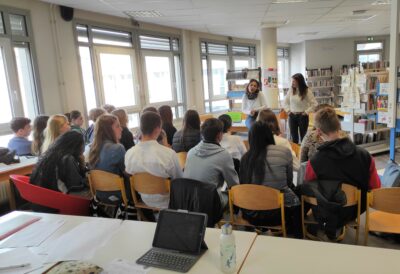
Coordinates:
[15,224]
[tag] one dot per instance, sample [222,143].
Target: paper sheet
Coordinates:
[19,256]
[120,266]
[81,242]
[33,235]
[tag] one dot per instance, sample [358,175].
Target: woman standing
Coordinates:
[299,102]
[252,102]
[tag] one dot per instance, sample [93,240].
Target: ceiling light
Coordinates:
[288,1]
[308,33]
[381,2]
[143,13]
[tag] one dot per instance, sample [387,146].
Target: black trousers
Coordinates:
[298,122]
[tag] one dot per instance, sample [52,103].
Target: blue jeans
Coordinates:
[249,121]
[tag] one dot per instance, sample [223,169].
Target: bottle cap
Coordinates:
[227,229]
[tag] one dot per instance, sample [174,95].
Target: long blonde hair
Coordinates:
[53,130]
[103,132]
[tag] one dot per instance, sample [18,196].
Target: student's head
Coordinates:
[212,130]
[21,126]
[106,129]
[56,125]
[150,125]
[299,85]
[122,117]
[108,108]
[254,162]
[68,115]
[94,113]
[253,86]
[76,118]
[152,109]
[327,124]
[191,120]
[226,121]
[268,117]
[166,114]
[39,125]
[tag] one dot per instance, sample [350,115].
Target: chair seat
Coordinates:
[384,222]
[143,205]
[240,221]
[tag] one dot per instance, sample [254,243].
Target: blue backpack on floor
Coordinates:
[391,176]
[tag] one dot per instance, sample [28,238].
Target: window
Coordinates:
[110,73]
[217,59]
[18,84]
[369,52]
[283,68]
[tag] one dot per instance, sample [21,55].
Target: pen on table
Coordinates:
[13,266]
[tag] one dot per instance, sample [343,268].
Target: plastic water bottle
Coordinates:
[227,249]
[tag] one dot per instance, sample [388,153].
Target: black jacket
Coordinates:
[184,143]
[170,131]
[127,138]
[196,196]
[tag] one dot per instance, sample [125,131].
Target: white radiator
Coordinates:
[3,193]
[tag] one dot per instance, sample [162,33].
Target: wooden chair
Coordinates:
[353,196]
[386,217]
[256,197]
[100,180]
[64,203]
[204,117]
[182,158]
[246,144]
[146,183]
[296,148]
[244,116]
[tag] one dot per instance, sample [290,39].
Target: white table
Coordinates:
[282,255]
[24,167]
[134,238]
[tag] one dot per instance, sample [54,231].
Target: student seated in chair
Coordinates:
[209,162]
[267,163]
[340,160]
[61,167]
[148,156]
[21,127]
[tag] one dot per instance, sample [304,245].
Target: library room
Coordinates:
[199,136]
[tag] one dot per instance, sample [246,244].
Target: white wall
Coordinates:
[297,57]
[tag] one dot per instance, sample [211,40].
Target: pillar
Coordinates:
[269,61]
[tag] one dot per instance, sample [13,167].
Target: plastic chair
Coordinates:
[100,180]
[182,158]
[353,197]
[64,203]
[256,197]
[386,217]
[146,183]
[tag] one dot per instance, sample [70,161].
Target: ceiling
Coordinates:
[314,19]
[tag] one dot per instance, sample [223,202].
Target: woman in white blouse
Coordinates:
[252,102]
[299,102]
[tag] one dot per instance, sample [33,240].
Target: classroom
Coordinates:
[270,128]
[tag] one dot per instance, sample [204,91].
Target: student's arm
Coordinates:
[245,107]
[263,101]
[312,103]
[70,174]
[228,171]
[241,147]
[289,170]
[304,148]
[117,157]
[374,180]
[310,173]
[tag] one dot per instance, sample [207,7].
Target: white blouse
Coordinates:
[257,104]
[294,103]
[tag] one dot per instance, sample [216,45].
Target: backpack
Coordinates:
[391,176]
[7,156]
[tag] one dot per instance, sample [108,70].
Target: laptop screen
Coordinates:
[181,231]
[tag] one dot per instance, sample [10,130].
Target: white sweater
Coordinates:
[293,102]
[280,141]
[257,104]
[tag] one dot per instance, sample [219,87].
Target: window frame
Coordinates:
[381,52]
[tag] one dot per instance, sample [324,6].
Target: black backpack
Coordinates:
[7,156]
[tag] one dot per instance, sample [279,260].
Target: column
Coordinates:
[269,61]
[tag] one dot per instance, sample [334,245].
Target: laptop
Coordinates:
[178,241]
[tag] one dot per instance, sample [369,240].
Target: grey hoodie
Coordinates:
[211,163]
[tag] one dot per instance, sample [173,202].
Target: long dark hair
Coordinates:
[69,143]
[191,120]
[166,115]
[252,165]
[302,86]
[39,125]
[268,117]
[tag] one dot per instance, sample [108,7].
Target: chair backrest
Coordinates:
[296,148]
[149,184]
[283,115]
[100,180]
[182,158]
[386,199]
[353,195]
[255,197]
[64,203]
[204,117]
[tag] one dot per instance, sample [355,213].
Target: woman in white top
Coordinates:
[299,102]
[267,117]
[233,144]
[252,102]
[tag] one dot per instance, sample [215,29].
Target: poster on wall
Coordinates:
[270,78]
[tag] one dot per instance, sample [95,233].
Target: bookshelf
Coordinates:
[237,82]
[321,82]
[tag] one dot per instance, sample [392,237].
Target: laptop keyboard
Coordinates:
[172,261]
